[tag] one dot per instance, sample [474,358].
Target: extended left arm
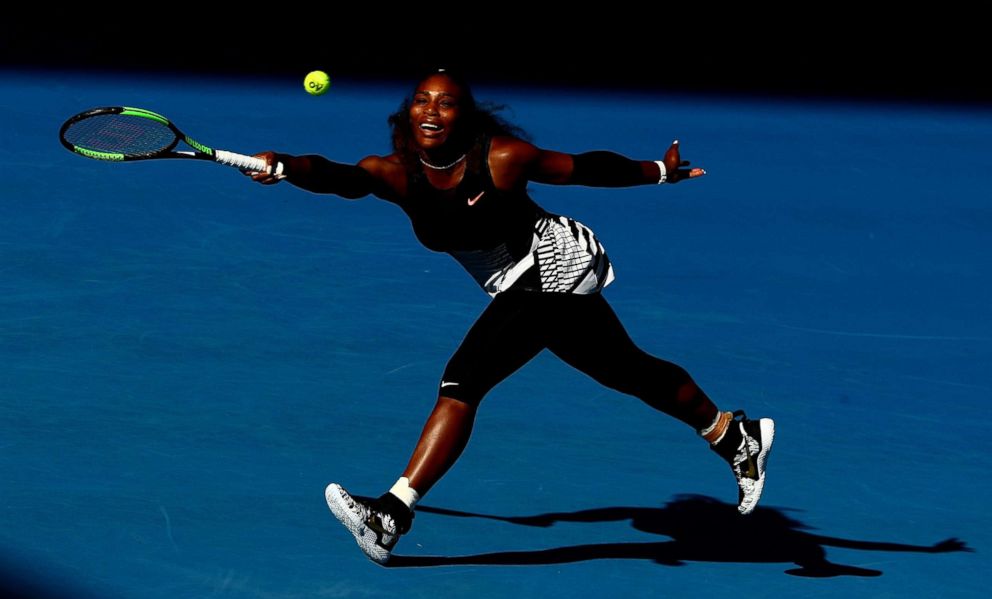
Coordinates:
[609,169]
[606,169]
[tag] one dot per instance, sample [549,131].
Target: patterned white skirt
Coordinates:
[567,255]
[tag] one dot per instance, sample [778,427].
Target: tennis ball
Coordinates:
[317,83]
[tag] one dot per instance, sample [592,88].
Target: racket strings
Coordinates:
[119,133]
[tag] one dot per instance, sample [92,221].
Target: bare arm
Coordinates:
[382,177]
[513,162]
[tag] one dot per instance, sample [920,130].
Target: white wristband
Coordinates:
[664,171]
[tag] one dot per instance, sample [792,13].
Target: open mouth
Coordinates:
[431,127]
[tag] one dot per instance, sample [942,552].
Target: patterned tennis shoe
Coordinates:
[745,447]
[375,530]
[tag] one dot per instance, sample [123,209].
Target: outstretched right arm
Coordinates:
[373,175]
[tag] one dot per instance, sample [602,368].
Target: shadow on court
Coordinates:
[24,578]
[702,529]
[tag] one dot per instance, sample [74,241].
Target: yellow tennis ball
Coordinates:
[317,83]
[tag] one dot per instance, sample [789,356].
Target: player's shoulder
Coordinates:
[380,166]
[390,173]
[505,146]
[507,150]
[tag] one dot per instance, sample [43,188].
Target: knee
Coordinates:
[452,411]
[651,375]
[654,378]
[463,386]
[452,393]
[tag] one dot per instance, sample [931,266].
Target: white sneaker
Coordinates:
[747,451]
[375,531]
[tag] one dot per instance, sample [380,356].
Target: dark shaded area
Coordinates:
[26,578]
[826,55]
[702,529]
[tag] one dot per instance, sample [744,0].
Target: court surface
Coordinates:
[188,358]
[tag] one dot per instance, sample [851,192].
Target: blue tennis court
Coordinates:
[188,358]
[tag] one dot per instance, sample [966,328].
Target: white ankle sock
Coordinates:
[405,493]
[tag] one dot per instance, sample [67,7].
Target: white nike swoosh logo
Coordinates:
[472,201]
[445,384]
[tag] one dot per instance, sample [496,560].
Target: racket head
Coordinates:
[118,133]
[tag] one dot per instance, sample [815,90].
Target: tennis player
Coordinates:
[460,173]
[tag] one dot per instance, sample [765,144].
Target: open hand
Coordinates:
[673,162]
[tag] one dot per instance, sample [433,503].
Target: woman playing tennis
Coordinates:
[460,173]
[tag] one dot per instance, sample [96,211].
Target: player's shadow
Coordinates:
[701,529]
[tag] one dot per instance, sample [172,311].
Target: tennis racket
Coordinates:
[121,133]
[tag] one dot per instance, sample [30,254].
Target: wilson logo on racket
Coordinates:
[122,133]
[194,144]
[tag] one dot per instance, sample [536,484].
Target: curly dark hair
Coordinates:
[478,121]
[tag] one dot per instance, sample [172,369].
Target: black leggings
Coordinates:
[583,331]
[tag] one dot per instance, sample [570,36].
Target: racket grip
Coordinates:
[246,163]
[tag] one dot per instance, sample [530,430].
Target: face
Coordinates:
[434,111]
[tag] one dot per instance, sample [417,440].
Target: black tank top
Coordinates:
[502,238]
[473,215]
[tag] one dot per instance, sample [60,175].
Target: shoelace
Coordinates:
[352,504]
[388,524]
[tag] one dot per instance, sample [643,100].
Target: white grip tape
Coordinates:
[246,163]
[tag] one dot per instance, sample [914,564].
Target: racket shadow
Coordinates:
[701,529]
